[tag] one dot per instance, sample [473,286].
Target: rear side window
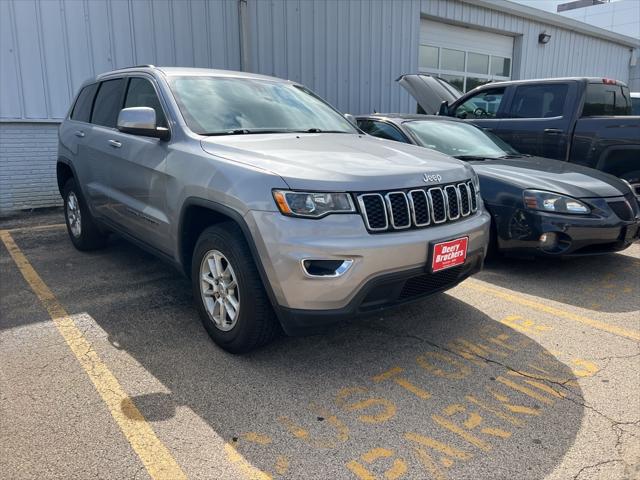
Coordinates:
[539,101]
[108,103]
[606,99]
[82,109]
[381,130]
[142,94]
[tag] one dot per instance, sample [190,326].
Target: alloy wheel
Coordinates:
[219,290]
[73,214]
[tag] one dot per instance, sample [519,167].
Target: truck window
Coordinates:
[539,101]
[606,99]
[82,109]
[482,105]
[635,106]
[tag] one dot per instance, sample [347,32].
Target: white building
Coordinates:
[348,51]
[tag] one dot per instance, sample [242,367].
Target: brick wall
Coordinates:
[28,166]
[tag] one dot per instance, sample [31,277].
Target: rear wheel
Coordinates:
[82,228]
[231,300]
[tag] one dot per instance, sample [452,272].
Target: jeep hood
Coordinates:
[337,161]
[551,175]
[429,91]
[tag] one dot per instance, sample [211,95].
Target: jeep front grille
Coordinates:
[417,208]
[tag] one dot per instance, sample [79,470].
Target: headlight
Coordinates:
[312,205]
[554,202]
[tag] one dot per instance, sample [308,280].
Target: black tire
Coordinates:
[90,237]
[256,324]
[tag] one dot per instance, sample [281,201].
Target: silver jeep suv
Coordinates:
[280,210]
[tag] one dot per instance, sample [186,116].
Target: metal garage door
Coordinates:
[464,56]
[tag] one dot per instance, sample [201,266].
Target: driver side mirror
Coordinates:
[444,108]
[141,121]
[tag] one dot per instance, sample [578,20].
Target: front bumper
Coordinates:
[386,267]
[519,231]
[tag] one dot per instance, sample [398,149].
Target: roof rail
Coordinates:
[144,65]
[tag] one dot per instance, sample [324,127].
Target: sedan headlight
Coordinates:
[312,205]
[554,202]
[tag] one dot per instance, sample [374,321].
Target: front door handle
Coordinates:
[115,143]
[79,133]
[553,131]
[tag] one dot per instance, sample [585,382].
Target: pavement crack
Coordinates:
[589,467]
[562,385]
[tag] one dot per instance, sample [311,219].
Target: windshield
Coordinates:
[458,139]
[223,105]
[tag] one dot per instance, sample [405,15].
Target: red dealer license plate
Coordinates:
[449,254]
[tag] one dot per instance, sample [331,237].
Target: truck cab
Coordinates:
[581,120]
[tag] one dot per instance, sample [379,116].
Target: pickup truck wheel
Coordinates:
[82,228]
[228,291]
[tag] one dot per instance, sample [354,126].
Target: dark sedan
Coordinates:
[539,206]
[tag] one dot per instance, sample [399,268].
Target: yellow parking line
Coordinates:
[36,228]
[521,300]
[154,455]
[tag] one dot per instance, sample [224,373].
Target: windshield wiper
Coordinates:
[473,157]
[245,131]
[251,131]
[514,155]
[319,130]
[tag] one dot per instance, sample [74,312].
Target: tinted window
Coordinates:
[539,101]
[604,99]
[381,130]
[482,105]
[82,109]
[108,103]
[142,94]
[635,102]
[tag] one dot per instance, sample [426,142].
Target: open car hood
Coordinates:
[429,91]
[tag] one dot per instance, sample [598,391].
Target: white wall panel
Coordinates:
[48,48]
[349,52]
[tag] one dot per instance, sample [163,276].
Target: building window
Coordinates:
[428,56]
[463,69]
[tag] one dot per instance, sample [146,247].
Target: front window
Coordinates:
[224,105]
[483,105]
[458,139]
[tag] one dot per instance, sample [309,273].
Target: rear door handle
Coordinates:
[79,133]
[115,143]
[553,131]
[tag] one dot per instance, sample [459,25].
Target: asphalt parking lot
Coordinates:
[529,370]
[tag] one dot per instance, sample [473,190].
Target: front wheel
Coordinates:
[83,231]
[228,291]
[633,178]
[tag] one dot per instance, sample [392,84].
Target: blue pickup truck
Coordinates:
[587,121]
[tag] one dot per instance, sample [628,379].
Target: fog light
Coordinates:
[326,268]
[548,240]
